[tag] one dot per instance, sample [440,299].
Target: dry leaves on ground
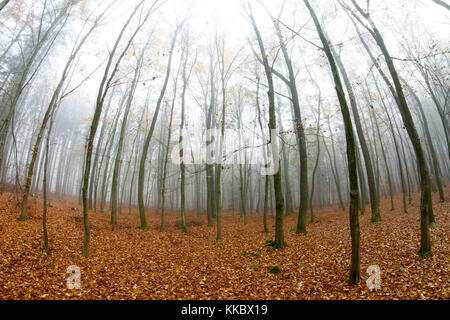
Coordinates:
[130,263]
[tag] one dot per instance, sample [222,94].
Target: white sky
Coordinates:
[227,16]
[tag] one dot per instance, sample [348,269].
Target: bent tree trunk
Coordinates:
[52,105]
[166,159]
[279,201]
[386,162]
[141,204]
[117,160]
[351,154]
[300,134]
[316,166]
[374,197]
[266,180]
[426,205]
[24,74]
[434,158]
[103,91]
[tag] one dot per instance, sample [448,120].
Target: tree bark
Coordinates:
[351,154]
[143,219]
[426,207]
[279,201]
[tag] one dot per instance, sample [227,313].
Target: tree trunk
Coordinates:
[351,155]
[374,197]
[279,201]
[426,207]
[143,219]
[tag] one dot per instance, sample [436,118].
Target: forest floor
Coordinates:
[130,263]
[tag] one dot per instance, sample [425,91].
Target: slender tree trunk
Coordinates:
[44,215]
[118,155]
[351,155]
[317,162]
[166,159]
[289,201]
[386,162]
[186,75]
[103,91]
[143,219]
[426,207]
[374,197]
[279,201]
[435,161]
[397,151]
[3,4]
[362,183]
[300,134]
[266,180]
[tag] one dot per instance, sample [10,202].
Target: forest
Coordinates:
[224,150]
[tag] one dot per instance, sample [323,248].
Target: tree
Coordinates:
[266,180]
[117,162]
[166,157]
[3,4]
[426,206]
[316,165]
[225,74]
[148,138]
[279,201]
[442,3]
[435,161]
[186,75]
[351,153]
[374,197]
[102,92]
[44,214]
[54,103]
[26,74]
[299,129]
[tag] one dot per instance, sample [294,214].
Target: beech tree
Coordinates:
[140,193]
[46,36]
[54,103]
[351,153]
[103,91]
[279,224]
[397,91]
[306,107]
